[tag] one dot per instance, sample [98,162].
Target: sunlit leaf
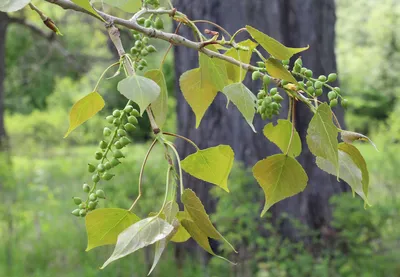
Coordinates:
[140,90]
[139,235]
[84,109]
[280,135]
[130,6]
[181,235]
[276,69]
[322,136]
[236,73]
[213,70]
[272,46]
[160,106]
[13,5]
[212,165]
[280,177]
[243,99]
[198,93]
[86,5]
[350,137]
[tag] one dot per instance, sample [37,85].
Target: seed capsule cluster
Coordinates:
[123,122]
[140,50]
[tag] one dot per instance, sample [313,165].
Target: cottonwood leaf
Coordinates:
[212,165]
[130,6]
[350,137]
[236,73]
[213,70]
[84,109]
[280,135]
[280,177]
[350,172]
[140,90]
[199,93]
[322,136]
[139,235]
[243,99]
[160,105]
[181,235]
[13,5]
[86,5]
[104,225]
[276,69]
[272,46]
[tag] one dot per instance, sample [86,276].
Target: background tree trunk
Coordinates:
[295,24]
[3,30]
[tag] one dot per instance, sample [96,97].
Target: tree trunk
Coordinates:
[295,24]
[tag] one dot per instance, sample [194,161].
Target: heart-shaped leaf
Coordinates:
[181,235]
[13,5]
[213,70]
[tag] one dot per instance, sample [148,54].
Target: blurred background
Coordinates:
[324,231]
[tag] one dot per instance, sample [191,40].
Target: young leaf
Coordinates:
[130,6]
[350,172]
[139,235]
[213,70]
[350,137]
[212,165]
[13,5]
[272,46]
[280,135]
[86,5]
[235,73]
[275,69]
[140,90]
[243,99]
[104,225]
[160,106]
[84,109]
[280,177]
[322,136]
[181,235]
[198,93]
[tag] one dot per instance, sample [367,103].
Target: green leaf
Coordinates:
[280,177]
[272,46]
[130,6]
[235,73]
[359,161]
[140,90]
[243,99]
[139,235]
[280,135]
[212,165]
[322,136]
[160,106]
[104,225]
[350,137]
[84,109]
[213,70]
[198,93]
[350,171]
[13,5]
[276,69]
[181,235]
[86,5]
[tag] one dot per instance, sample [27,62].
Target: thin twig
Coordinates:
[182,137]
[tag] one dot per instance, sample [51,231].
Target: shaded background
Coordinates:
[321,232]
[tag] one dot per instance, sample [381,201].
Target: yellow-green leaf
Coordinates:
[213,70]
[86,5]
[141,90]
[276,69]
[322,136]
[181,235]
[212,165]
[243,99]
[160,106]
[237,73]
[84,109]
[280,177]
[350,137]
[130,6]
[104,225]
[280,135]
[272,46]
[198,93]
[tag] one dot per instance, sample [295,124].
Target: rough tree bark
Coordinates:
[296,24]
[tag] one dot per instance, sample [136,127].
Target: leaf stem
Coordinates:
[182,137]
[166,190]
[293,126]
[103,74]
[178,160]
[170,46]
[214,24]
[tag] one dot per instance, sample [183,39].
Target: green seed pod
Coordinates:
[108,165]
[259,109]
[148,23]
[114,162]
[138,44]
[133,50]
[275,112]
[82,205]
[128,109]
[75,212]
[91,168]
[116,113]
[260,101]
[310,90]
[344,103]
[137,36]
[151,49]
[100,194]
[332,95]
[145,40]
[302,85]
[303,70]
[92,205]
[101,168]
[159,23]
[140,67]
[98,155]
[318,92]
[133,120]
[273,91]
[308,73]
[77,200]
[124,141]
[337,90]
[103,144]
[309,84]
[318,84]
[107,176]
[129,127]
[260,64]
[286,66]
[274,106]
[332,77]
[256,75]
[267,100]
[285,62]
[261,94]
[299,62]
[92,197]
[143,62]
[82,213]
[107,131]
[86,188]
[96,178]
[141,20]
[118,145]
[264,116]
[297,68]
[322,78]
[135,113]
[118,154]
[277,98]
[144,52]
[284,82]
[121,132]
[266,80]
[117,122]
[333,103]
[110,119]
